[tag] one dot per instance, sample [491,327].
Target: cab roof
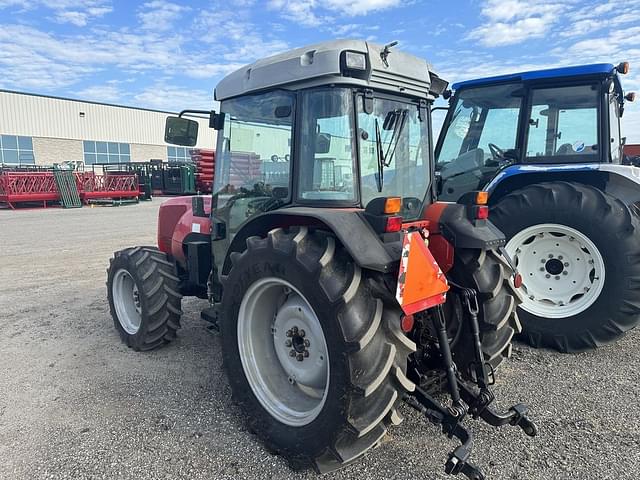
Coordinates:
[564,72]
[322,64]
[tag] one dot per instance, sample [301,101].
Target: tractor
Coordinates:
[340,287]
[546,145]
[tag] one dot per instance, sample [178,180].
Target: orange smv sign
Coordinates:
[421,283]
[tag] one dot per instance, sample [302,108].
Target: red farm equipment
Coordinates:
[41,186]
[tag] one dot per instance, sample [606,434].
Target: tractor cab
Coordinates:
[548,117]
[334,125]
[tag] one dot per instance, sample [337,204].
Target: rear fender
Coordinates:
[450,222]
[349,226]
[619,181]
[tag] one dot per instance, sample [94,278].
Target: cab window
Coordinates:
[563,124]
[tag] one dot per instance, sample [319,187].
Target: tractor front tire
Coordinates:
[144,300]
[315,360]
[578,251]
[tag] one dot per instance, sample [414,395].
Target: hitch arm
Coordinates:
[436,413]
[515,416]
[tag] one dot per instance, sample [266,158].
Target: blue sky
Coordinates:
[169,55]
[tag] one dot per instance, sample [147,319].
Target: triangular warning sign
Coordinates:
[421,283]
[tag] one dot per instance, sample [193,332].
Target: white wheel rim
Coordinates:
[562,270]
[126,300]
[283,351]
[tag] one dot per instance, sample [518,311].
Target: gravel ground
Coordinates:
[76,403]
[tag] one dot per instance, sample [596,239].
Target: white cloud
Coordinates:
[102,93]
[510,22]
[160,15]
[76,12]
[163,96]
[322,12]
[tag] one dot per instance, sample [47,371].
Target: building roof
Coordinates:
[82,101]
[576,71]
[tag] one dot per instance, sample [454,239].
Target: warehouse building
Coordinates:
[43,130]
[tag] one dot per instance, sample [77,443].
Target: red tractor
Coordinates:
[340,287]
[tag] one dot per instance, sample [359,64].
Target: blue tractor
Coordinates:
[547,147]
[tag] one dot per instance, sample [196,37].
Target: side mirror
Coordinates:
[216,121]
[181,131]
[323,143]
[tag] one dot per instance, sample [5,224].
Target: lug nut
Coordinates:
[566,264]
[547,276]
[565,273]
[299,357]
[294,330]
[302,333]
[305,353]
[559,257]
[551,255]
[289,333]
[542,269]
[307,343]
[557,277]
[292,353]
[287,343]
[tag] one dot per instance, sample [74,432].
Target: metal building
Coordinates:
[39,129]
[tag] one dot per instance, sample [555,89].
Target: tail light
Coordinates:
[394,224]
[481,212]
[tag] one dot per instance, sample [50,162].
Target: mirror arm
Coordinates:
[200,112]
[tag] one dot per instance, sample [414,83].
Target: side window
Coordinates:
[327,146]
[252,172]
[456,133]
[577,131]
[614,128]
[500,129]
[563,125]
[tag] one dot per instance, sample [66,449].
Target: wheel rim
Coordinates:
[562,270]
[283,351]
[126,300]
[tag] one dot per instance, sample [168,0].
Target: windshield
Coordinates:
[394,152]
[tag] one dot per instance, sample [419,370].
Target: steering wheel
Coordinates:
[496,152]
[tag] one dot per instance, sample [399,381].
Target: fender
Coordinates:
[620,181]
[452,222]
[176,222]
[349,226]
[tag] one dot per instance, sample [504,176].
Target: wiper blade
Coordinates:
[384,159]
[380,157]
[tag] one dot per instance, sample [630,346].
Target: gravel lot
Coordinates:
[75,403]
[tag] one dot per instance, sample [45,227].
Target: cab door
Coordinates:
[480,137]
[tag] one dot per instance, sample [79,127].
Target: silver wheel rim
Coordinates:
[283,351]
[126,300]
[562,270]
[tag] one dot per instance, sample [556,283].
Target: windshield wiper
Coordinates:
[385,158]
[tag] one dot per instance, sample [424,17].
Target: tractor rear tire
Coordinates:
[490,275]
[325,414]
[578,251]
[144,300]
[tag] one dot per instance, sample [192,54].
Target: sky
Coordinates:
[169,55]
